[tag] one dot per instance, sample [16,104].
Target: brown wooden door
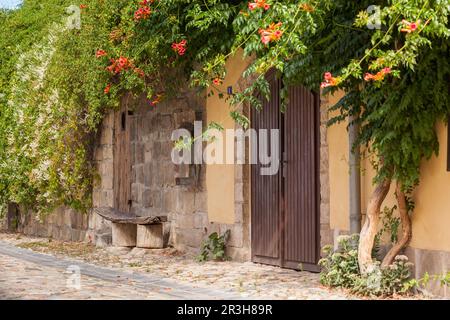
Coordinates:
[285,215]
[266,189]
[122,159]
[301,241]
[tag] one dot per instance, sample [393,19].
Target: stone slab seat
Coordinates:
[132,230]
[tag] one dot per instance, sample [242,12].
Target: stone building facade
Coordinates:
[160,188]
[156,189]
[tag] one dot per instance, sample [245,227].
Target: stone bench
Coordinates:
[134,231]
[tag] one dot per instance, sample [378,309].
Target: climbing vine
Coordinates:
[57,80]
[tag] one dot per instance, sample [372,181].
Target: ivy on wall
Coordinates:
[64,66]
[57,80]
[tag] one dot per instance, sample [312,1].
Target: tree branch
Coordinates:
[406,228]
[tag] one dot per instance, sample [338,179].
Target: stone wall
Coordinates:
[154,188]
[63,224]
[99,229]
[435,263]
[239,246]
[154,191]
[326,233]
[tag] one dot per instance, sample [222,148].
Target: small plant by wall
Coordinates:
[340,269]
[213,248]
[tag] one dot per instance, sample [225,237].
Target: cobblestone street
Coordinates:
[28,275]
[34,268]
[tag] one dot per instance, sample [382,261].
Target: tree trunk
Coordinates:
[370,227]
[406,228]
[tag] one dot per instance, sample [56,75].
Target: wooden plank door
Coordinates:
[122,159]
[266,220]
[285,215]
[301,181]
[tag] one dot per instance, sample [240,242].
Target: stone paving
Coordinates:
[26,280]
[36,268]
[30,275]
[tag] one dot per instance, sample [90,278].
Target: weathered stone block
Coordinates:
[124,234]
[147,200]
[326,235]
[67,217]
[108,120]
[238,173]
[323,135]
[238,213]
[56,232]
[182,117]
[213,227]
[182,170]
[134,192]
[201,201]
[236,235]
[103,239]
[148,156]
[324,159]
[75,219]
[200,220]
[148,174]
[107,152]
[156,173]
[238,254]
[324,213]
[139,150]
[324,188]
[186,221]
[107,168]
[169,199]
[82,235]
[76,235]
[107,199]
[150,236]
[66,233]
[168,176]
[107,181]
[166,122]
[189,237]
[139,171]
[133,152]
[239,192]
[166,151]
[98,154]
[106,137]
[156,149]
[133,128]
[185,202]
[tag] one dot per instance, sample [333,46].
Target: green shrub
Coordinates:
[340,269]
[214,247]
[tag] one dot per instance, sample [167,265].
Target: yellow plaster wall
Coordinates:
[338,165]
[220,177]
[431,217]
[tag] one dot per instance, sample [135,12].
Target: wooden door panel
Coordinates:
[301,179]
[266,188]
[122,159]
[285,216]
